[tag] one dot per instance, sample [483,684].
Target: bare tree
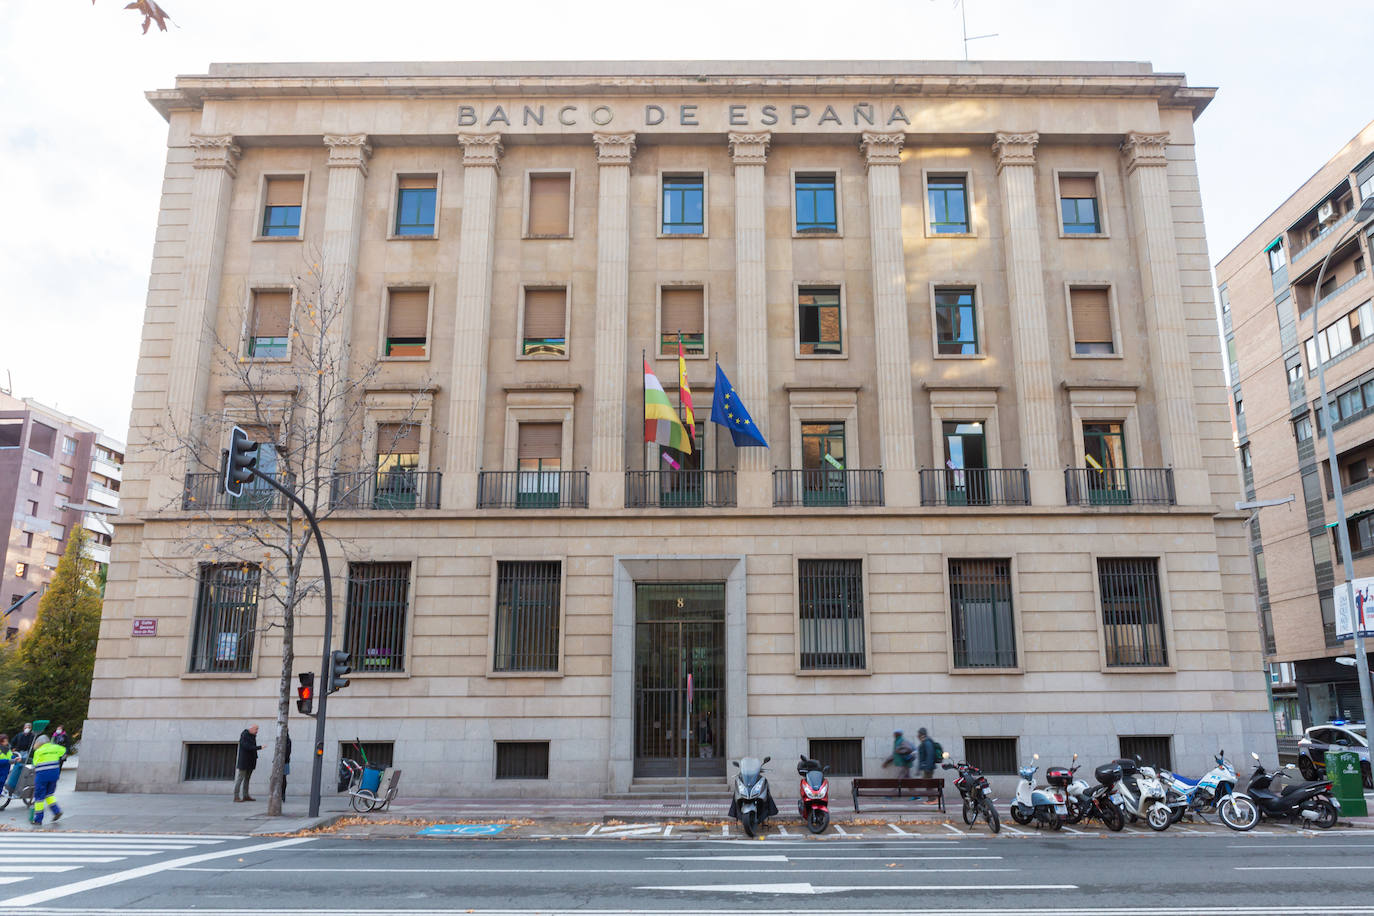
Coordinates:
[312,422]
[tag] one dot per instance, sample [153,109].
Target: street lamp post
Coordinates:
[1342,534]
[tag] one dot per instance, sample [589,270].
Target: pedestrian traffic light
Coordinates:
[305,693]
[340,667]
[240,461]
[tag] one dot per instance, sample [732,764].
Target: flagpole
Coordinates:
[643,409]
[716,357]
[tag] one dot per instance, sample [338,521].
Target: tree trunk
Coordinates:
[288,661]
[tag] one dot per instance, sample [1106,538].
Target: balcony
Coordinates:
[107,468]
[1322,236]
[205,492]
[975,487]
[679,489]
[827,487]
[102,495]
[532,490]
[1119,486]
[397,489]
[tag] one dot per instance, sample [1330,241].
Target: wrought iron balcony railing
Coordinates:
[1119,486]
[817,487]
[398,488]
[975,487]
[679,489]
[206,492]
[532,490]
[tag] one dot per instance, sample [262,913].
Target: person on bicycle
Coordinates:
[47,767]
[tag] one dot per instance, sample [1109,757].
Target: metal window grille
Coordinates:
[844,756]
[1153,750]
[527,616]
[522,760]
[226,618]
[981,614]
[379,753]
[831,613]
[1132,614]
[375,618]
[994,756]
[206,762]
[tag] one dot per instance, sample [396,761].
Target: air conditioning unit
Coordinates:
[1326,211]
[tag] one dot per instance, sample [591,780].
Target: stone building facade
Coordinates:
[936,287]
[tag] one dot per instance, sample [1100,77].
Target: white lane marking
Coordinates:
[1303,846]
[887,858]
[1071,830]
[144,850]
[1302,867]
[578,871]
[14,880]
[202,838]
[724,829]
[142,871]
[810,889]
[1009,829]
[590,830]
[60,860]
[898,830]
[776,858]
[955,829]
[668,831]
[1189,830]
[782,831]
[841,831]
[28,869]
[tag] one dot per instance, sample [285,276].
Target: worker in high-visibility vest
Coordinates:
[47,767]
[6,760]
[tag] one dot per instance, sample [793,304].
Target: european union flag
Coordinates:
[728,410]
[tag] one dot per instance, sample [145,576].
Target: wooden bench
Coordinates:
[899,789]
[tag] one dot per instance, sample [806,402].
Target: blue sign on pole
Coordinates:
[463,829]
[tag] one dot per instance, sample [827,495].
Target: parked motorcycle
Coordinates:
[1043,805]
[752,803]
[1199,796]
[976,793]
[1308,801]
[1084,802]
[813,805]
[1142,794]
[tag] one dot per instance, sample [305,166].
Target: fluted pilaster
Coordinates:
[749,152]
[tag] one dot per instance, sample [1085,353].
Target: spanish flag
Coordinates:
[685,391]
[661,424]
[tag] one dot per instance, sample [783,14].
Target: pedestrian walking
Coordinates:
[47,760]
[247,762]
[59,736]
[286,770]
[903,755]
[927,756]
[6,759]
[24,740]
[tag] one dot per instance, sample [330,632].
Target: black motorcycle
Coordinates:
[977,794]
[1308,801]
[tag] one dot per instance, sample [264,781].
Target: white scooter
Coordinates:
[1142,794]
[1046,806]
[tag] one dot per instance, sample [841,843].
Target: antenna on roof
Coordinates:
[963,18]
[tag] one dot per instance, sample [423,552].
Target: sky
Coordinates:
[82,152]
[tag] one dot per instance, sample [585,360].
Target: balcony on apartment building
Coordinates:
[814,488]
[1110,486]
[102,495]
[106,467]
[205,492]
[679,489]
[540,488]
[1318,224]
[975,487]
[1345,269]
[394,488]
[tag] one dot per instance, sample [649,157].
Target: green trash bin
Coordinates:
[1347,782]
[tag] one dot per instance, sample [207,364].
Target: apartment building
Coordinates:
[968,306]
[1268,287]
[56,471]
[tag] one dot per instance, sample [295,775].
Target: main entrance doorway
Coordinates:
[679,627]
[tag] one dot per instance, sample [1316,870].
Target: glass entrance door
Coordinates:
[823,477]
[679,627]
[1105,443]
[966,479]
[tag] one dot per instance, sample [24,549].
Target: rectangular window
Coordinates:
[398,461]
[844,756]
[539,456]
[1240,407]
[522,760]
[1302,429]
[815,201]
[1153,750]
[956,322]
[28,538]
[11,433]
[1092,322]
[369,753]
[684,211]
[35,477]
[818,319]
[21,570]
[1245,456]
[407,322]
[981,614]
[375,615]
[65,474]
[682,310]
[1311,487]
[1230,350]
[1277,258]
[42,438]
[527,616]
[1132,612]
[994,756]
[1078,205]
[824,482]
[226,618]
[1294,369]
[68,445]
[210,762]
[1104,453]
[1321,552]
[948,201]
[1225,300]
[33,507]
[545,323]
[58,532]
[268,334]
[550,205]
[1351,329]
[281,214]
[831,614]
[415,204]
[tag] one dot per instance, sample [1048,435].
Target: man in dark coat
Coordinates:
[247,762]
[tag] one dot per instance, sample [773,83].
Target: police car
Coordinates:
[1313,745]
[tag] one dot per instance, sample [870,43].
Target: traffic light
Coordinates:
[340,667]
[240,461]
[305,693]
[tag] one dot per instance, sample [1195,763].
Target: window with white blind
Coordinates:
[269,324]
[1079,211]
[545,323]
[550,205]
[1090,310]
[682,310]
[407,322]
[540,458]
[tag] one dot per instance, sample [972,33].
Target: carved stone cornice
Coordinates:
[614,149]
[348,151]
[481,149]
[1015,149]
[750,148]
[215,153]
[882,148]
[1145,149]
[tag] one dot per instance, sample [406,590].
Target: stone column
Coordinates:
[882,155]
[1152,224]
[343,223]
[472,314]
[1035,399]
[215,164]
[613,154]
[749,152]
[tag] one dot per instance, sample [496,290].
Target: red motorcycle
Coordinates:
[813,806]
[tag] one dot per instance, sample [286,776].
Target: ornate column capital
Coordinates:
[614,149]
[1015,149]
[1142,149]
[348,151]
[750,148]
[882,148]
[481,149]
[219,152]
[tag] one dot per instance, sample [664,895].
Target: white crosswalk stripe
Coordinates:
[27,855]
